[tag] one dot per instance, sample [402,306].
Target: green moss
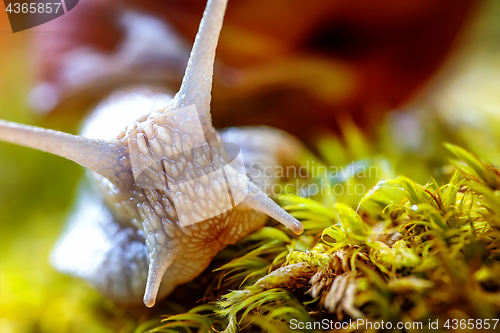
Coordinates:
[405,252]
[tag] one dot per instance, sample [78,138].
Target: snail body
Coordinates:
[166,191]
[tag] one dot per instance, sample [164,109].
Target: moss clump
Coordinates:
[407,253]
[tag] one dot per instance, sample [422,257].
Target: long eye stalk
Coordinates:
[97,155]
[197,82]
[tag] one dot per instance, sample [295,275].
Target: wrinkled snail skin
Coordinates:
[125,237]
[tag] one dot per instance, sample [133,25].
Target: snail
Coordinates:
[168,190]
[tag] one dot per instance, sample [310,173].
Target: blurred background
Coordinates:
[355,80]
